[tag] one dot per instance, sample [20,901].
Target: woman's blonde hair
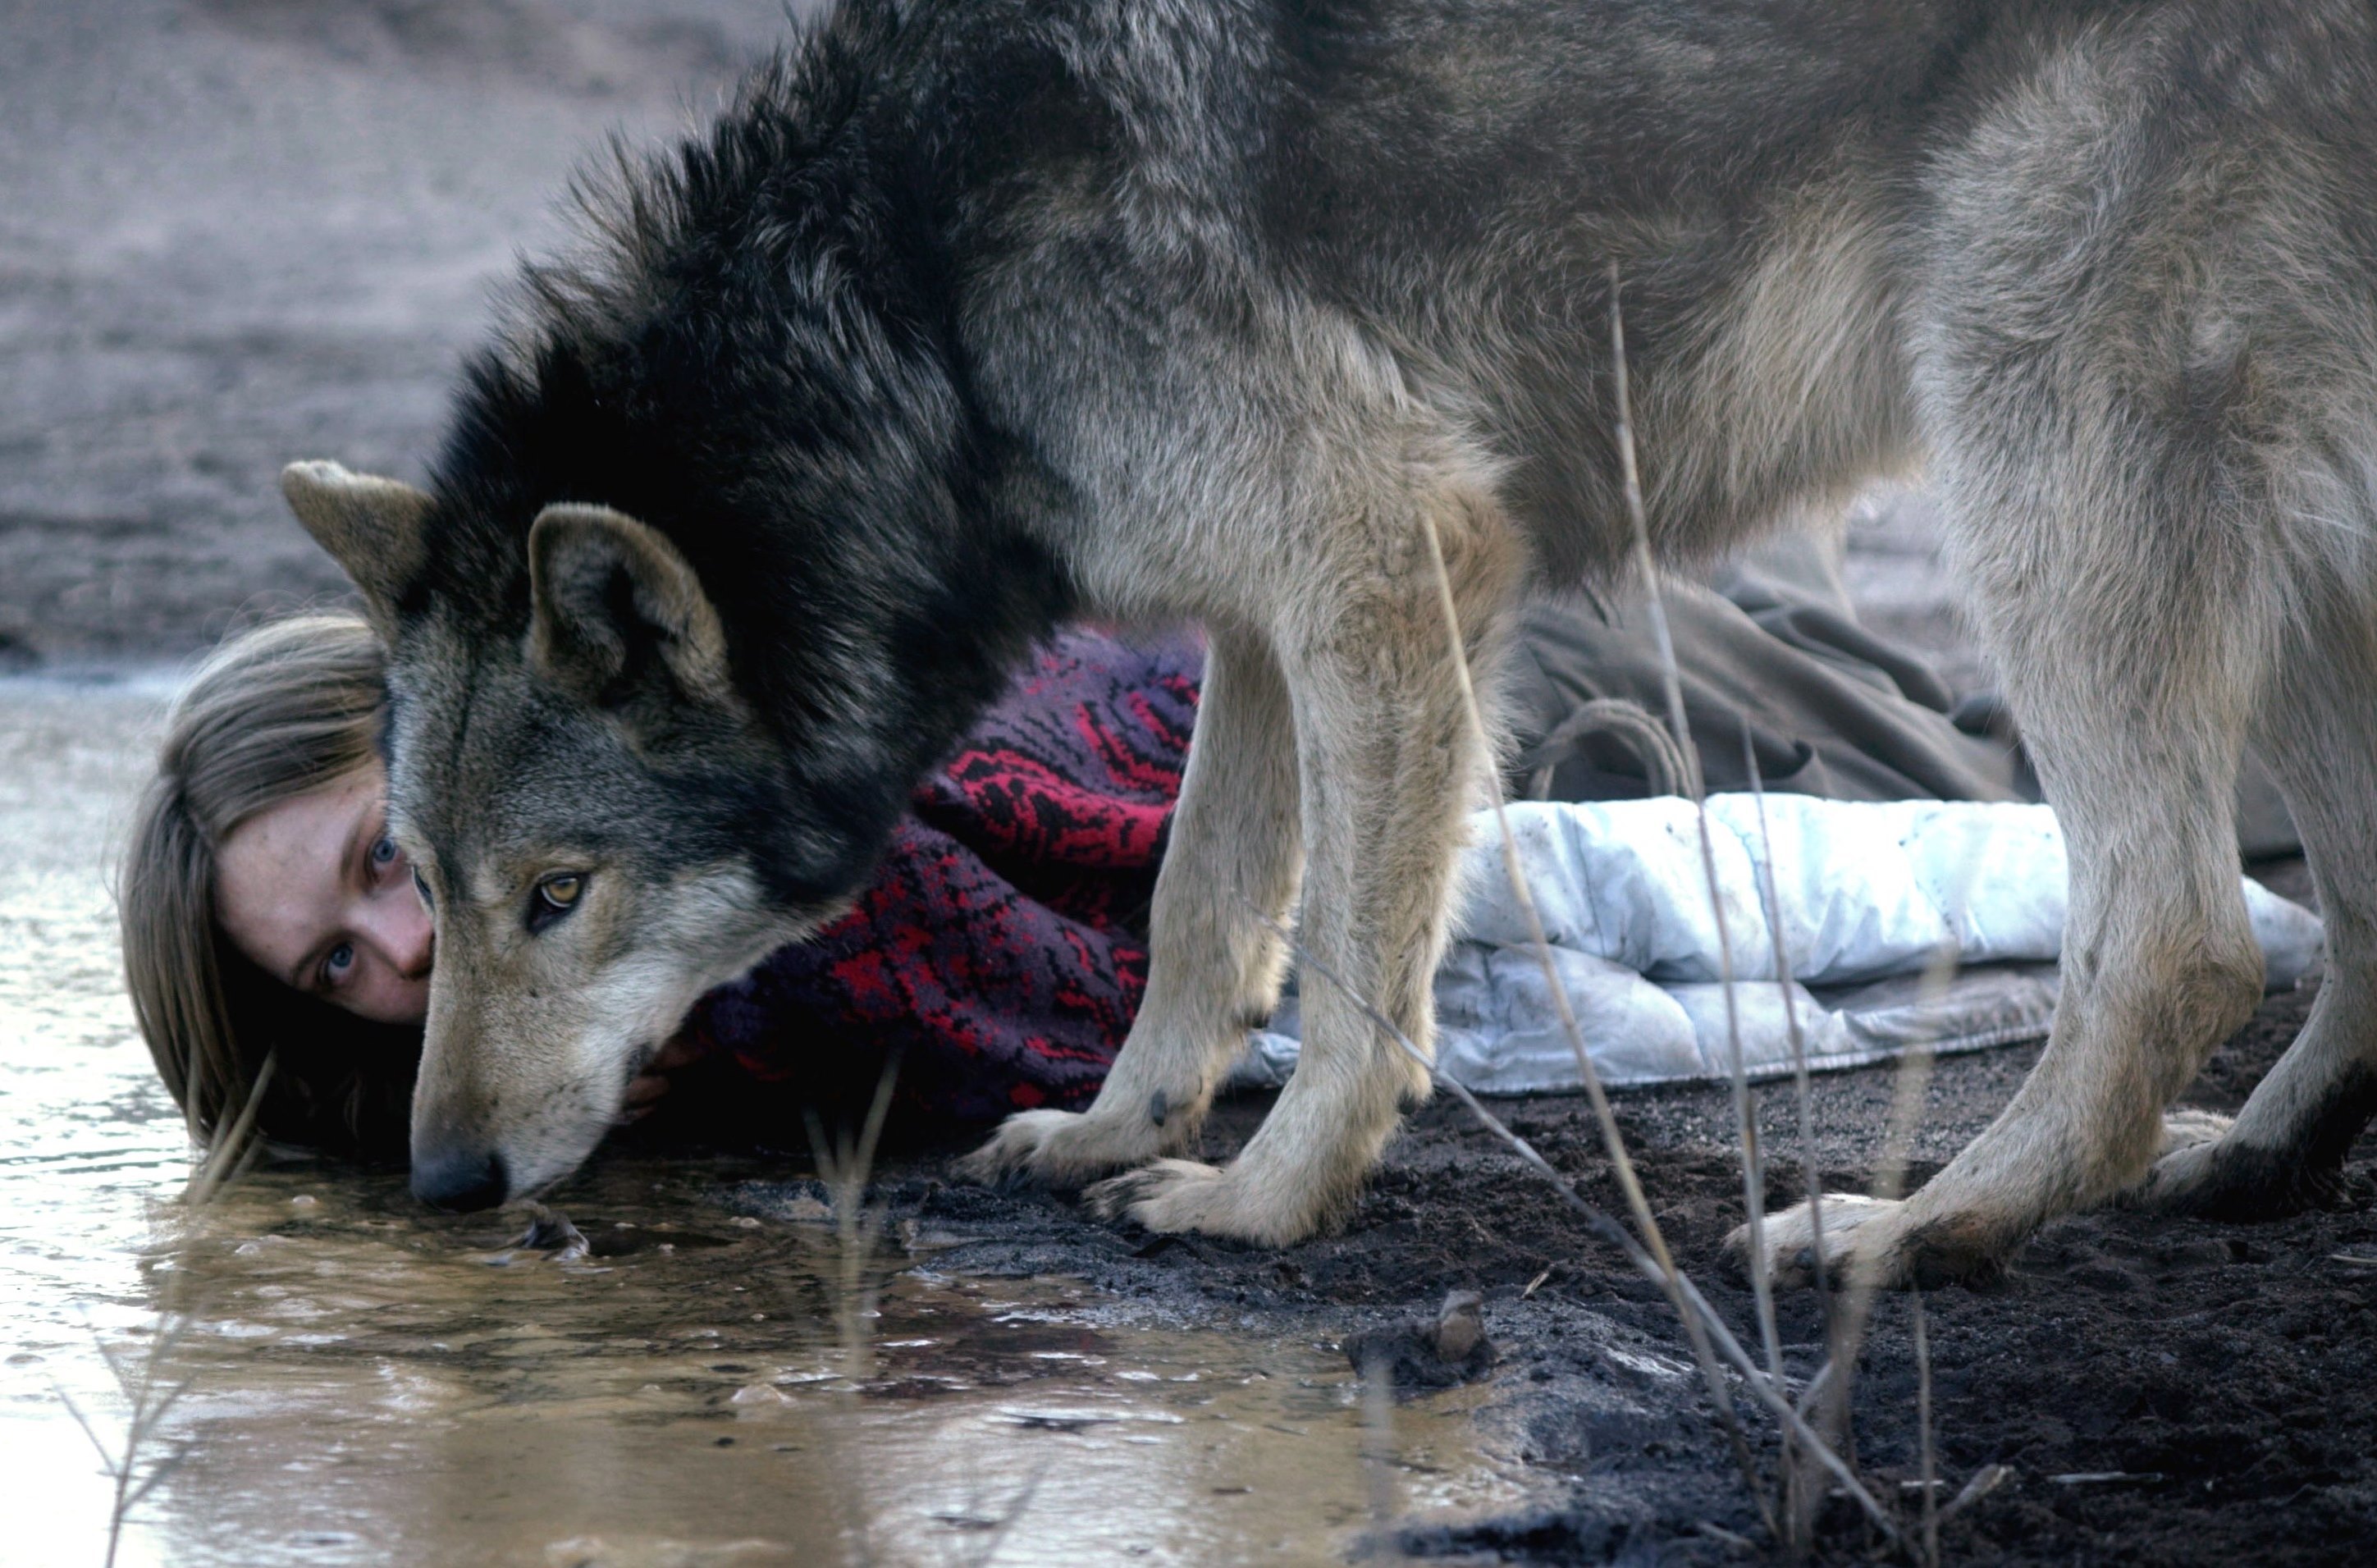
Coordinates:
[275,712]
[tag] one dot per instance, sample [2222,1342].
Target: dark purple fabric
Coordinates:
[993,951]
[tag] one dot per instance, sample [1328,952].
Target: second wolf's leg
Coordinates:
[2286,1147]
[1389,763]
[1215,963]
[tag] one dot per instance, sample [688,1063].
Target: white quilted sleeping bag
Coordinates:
[1871,894]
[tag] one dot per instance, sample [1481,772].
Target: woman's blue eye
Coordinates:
[384,851]
[341,959]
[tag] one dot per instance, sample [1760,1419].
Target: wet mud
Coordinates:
[369,1384]
[657,1371]
[2160,1390]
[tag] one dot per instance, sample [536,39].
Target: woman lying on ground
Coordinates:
[999,954]
[266,913]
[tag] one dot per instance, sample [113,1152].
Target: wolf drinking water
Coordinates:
[968,318]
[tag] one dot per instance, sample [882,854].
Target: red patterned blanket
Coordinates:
[1000,951]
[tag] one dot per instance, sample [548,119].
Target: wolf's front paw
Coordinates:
[1177,1195]
[1791,1257]
[1062,1148]
[1872,1242]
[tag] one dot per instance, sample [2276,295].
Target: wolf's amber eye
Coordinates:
[555,896]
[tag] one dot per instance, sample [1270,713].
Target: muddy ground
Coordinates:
[2161,1391]
[238,232]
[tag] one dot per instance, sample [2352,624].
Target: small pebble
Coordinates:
[1460,1325]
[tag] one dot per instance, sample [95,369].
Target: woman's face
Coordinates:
[314,891]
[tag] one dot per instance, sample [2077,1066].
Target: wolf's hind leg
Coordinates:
[1390,764]
[2286,1147]
[1215,963]
[2159,966]
[2126,593]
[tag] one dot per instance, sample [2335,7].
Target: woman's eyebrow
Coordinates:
[353,858]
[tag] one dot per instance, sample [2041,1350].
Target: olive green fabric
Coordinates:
[1771,646]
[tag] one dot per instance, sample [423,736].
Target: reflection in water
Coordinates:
[371,1383]
[450,1401]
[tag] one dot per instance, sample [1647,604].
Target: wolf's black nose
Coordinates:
[461,1180]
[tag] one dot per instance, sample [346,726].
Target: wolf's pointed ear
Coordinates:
[616,604]
[377,529]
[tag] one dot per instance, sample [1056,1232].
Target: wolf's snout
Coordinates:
[459,1180]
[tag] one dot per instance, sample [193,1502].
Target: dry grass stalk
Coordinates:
[1909,1085]
[1985,1480]
[1930,1468]
[845,1162]
[1754,1170]
[148,1401]
[1378,1453]
[221,1159]
[1803,1087]
[226,1156]
[993,1528]
[1803,1482]
[1669,1276]
[1828,1399]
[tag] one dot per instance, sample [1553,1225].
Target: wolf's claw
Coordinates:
[1876,1242]
[1061,1148]
[1860,1237]
[1183,1195]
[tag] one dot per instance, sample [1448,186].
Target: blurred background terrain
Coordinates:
[234,233]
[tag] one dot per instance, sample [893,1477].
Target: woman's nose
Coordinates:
[404,933]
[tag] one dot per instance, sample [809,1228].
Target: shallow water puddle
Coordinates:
[367,1383]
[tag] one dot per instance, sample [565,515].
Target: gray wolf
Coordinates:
[968,318]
